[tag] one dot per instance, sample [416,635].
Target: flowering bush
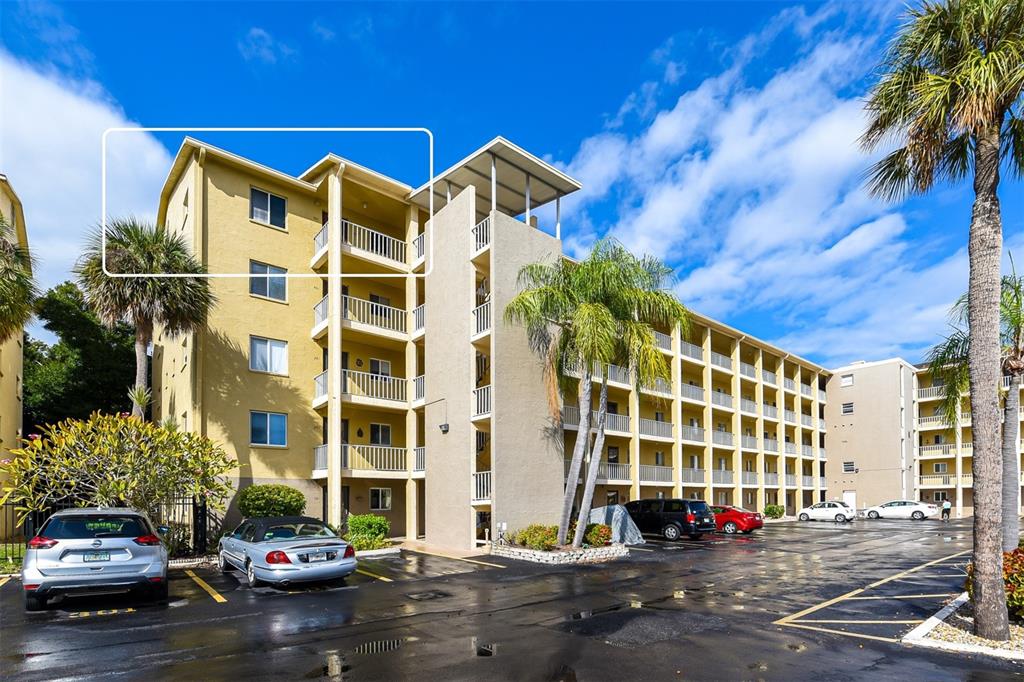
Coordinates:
[1013,577]
[598,534]
[538,536]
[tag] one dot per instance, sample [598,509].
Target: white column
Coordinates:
[334,194]
[494,184]
[527,198]
[558,217]
[448,191]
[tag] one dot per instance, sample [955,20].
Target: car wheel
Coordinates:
[250,574]
[872,515]
[696,536]
[840,518]
[160,592]
[671,533]
[729,528]
[34,602]
[222,563]
[917,516]
[804,517]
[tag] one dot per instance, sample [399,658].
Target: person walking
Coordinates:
[947,507]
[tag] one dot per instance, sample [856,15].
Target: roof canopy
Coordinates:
[512,166]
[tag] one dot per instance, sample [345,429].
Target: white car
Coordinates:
[827,511]
[902,509]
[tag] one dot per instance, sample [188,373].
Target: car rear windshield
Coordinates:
[98,526]
[698,507]
[293,531]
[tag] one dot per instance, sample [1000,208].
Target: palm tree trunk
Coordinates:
[985,251]
[143,336]
[584,393]
[592,468]
[1011,467]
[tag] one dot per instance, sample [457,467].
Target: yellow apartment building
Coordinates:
[11,350]
[361,357]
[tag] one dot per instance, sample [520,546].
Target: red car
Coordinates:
[732,520]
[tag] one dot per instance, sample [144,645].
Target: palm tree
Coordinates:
[179,304]
[584,316]
[948,364]
[18,289]
[946,96]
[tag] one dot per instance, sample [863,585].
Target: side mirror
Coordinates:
[163,530]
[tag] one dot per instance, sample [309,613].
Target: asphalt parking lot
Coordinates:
[792,601]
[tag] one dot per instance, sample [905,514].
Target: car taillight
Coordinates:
[350,552]
[40,542]
[147,540]
[278,557]
[690,518]
[30,587]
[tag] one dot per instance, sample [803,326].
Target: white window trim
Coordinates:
[267,296]
[378,507]
[255,337]
[269,194]
[846,380]
[851,469]
[937,470]
[379,425]
[381,363]
[267,414]
[843,410]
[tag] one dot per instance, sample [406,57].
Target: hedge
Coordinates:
[271,500]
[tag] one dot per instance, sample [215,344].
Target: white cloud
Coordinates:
[50,145]
[257,45]
[322,31]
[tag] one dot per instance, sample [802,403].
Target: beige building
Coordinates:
[378,376]
[11,350]
[870,413]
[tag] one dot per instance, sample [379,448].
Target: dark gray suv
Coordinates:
[672,518]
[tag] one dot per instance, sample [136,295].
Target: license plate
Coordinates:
[312,558]
[96,556]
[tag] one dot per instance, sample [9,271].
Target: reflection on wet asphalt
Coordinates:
[695,609]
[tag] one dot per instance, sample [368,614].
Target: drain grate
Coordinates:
[427,596]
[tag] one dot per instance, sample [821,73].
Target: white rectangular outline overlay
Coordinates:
[297,275]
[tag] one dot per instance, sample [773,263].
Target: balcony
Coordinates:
[723,438]
[807,450]
[821,482]
[319,246]
[721,399]
[693,434]
[790,416]
[617,374]
[664,341]
[418,319]
[821,453]
[606,471]
[789,385]
[319,461]
[931,392]
[481,320]
[808,481]
[771,445]
[655,428]
[748,370]
[790,480]
[769,377]
[320,389]
[721,361]
[380,459]
[807,420]
[748,442]
[421,459]
[691,392]
[790,448]
[482,401]
[821,396]
[481,487]
[748,406]
[419,389]
[806,390]
[693,476]
[770,412]
[419,247]
[748,477]
[937,450]
[771,478]
[481,235]
[721,477]
[373,389]
[651,473]
[660,387]
[372,244]
[692,351]
[614,423]
[319,318]
[933,421]
[821,424]
[945,480]
[360,313]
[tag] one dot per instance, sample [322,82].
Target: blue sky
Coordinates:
[719,136]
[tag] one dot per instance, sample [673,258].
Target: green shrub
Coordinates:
[774,511]
[1013,576]
[271,500]
[368,531]
[598,534]
[538,536]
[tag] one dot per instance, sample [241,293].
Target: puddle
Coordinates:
[582,615]
[426,596]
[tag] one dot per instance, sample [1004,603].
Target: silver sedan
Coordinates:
[286,549]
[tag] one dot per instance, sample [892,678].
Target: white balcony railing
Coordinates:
[653,427]
[748,406]
[748,442]
[821,397]
[373,314]
[807,420]
[771,478]
[770,411]
[692,433]
[719,360]
[320,240]
[482,319]
[320,311]
[771,445]
[421,459]
[931,392]
[419,387]
[482,401]
[932,419]
[722,437]
[790,416]
[937,449]
[721,476]
[789,384]
[692,392]
[821,453]
[749,478]
[419,246]
[660,386]
[653,473]
[693,476]
[692,350]
[320,385]
[418,320]
[821,482]
[808,481]
[769,377]
[613,471]
[320,457]
[372,241]
[790,480]
[664,341]
[938,480]
[721,399]
[482,234]
[618,374]
[806,450]
[376,386]
[790,448]
[481,486]
[615,422]
[748,370]
[806,390]
[372,458]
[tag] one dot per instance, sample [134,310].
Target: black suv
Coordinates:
[672,518]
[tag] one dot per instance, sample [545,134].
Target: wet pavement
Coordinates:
[794,601]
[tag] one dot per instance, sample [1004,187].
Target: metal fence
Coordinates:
[192,528]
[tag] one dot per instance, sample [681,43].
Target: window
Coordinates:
[380,499]
[268,428]
[267,281]
[266,208]
[940,468]
[613,454]
[612,497]
[847,408]
[380,367]
[380,434]
[695,461]
[939,496]
[659,416]
[268,355]
[849,468]
[659,458]
[846,380]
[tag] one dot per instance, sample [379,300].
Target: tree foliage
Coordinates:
[113,460]
[17,287]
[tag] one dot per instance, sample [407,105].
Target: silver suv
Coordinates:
[93,550]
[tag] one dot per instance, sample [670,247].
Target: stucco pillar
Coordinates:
[334,380]
[634,444]
[759,428]
[708,457]
[677,415]
[412,370]
[737,424]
